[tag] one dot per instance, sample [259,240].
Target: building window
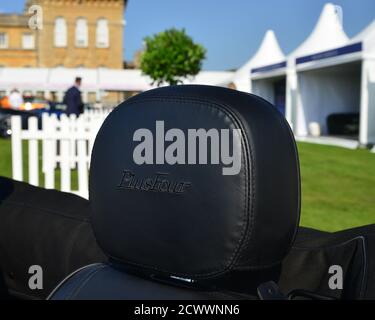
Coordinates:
[61,38]
[102,33]
[3,40]
[28,41]
[82,35]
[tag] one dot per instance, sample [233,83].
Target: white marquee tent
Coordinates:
[33,79]
[367,104]
[269,57]
[95,81]
[268,72]
[323,88]
[329,74]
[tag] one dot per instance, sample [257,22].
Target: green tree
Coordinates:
[170,56]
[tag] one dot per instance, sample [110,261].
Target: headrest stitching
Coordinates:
[246,146]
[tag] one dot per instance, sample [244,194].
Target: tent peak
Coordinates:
[327,34]
[366,33]
[269,51]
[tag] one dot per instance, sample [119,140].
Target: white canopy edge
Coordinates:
[93,79]
[214,78]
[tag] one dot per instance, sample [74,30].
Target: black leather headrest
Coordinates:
[236,208]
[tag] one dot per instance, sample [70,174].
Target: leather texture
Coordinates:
[102,282]
[221,223]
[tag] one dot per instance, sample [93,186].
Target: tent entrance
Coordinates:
[273,90]
[330,99]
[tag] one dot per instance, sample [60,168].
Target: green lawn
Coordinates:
[6,164]
[5,158]
[338,185]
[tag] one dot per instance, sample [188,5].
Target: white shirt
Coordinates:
[15,100]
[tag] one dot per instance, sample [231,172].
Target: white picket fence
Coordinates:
[66,144]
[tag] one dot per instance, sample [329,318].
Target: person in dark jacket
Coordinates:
[73,99]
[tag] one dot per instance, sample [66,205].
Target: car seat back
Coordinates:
[192,189]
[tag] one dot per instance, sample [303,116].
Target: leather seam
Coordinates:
[83,282]
[245,145]
[288,129]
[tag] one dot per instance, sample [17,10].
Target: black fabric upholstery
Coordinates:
[221,223]
[46,228]
[307,264]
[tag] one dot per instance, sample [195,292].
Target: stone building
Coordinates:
[17,42]
[74,34]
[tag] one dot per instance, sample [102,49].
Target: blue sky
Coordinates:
[230,30]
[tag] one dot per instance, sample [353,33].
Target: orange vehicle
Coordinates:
[4,103]
[33,105]
[28,105]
